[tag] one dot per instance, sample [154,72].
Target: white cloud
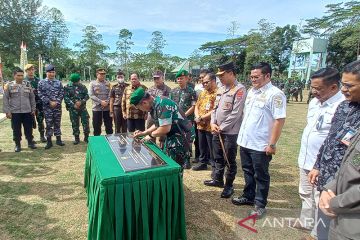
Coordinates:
[210,16]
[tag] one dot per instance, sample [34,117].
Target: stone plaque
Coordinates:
[132,154]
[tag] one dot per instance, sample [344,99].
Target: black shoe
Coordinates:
[187,165]
[260,212]
[195,160]
[77,140]
[42,138]
[242,201]
[227,192]
[59,142]
[86,138]
[49,143]
[31,145]
[17,148]
[200,166]
[214,183]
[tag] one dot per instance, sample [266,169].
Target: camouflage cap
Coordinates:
[137,95]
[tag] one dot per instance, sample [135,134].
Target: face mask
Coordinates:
[121,80]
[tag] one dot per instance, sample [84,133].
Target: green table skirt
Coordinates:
[145,204]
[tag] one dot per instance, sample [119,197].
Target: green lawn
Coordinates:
[42,194]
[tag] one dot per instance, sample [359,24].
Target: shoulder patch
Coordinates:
[240,93]
[356,160]
[278,101]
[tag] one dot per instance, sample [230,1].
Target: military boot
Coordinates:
[86,138]
[77,140]
[42,138]
[187,164]
[17,146]
[49,143]
[59,142]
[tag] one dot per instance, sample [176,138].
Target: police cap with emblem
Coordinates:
[227,67]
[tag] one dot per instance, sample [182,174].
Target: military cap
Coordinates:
[225,67]
[102,70]
[137,95]
[158,74]
[75,77]
[28,66]
[50,68]
[182,72]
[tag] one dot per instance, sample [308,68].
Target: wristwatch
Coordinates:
[273,146]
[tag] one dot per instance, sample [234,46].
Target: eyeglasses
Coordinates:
[205,83]
[102,73]
[348,86]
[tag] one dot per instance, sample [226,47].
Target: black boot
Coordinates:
[42,138]
[59,142]
[49,143]
[187,164]
[31,144]
[86,138]
[77,140]
[17,146]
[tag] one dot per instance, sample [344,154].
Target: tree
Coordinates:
[124,46]
[341,24]
[157,43]
[280,46]
[91,48]
[233,29]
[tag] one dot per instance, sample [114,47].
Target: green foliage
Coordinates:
[341,25]
[43,30]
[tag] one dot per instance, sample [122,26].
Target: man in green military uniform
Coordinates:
[185,97]
[75,97]
[39,114]
[169,121]
[288,89]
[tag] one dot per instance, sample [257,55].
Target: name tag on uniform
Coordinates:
[207,106]
[26,90]
[14,90]
[348,136]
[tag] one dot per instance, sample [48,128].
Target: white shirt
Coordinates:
[262,107]
[318,125]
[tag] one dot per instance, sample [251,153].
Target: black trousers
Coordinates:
[196,143]
[220,162]
[98,118]
[120,122]
[205,147]
[255,165]
[24,119]
[136,124]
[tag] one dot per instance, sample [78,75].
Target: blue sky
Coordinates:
[186,24]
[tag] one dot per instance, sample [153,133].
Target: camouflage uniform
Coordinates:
[51,90]
[185,98]
[39,107]
[74,92]
[177,144]
[288,89]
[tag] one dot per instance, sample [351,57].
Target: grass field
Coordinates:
[42,194]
